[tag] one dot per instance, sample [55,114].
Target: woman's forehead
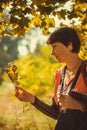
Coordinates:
[57,44]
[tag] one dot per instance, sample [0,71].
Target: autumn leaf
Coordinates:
[11,70]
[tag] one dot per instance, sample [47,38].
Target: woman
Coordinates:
[69,102]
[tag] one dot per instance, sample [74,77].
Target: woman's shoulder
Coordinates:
[84,70]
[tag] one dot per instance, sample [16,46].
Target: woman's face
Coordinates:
[60,51]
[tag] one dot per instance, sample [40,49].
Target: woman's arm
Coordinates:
[66,101]
[49,110]
[80,97]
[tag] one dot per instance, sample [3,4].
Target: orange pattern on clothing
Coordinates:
[57,78]
[79,87]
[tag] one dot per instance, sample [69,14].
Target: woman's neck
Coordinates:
[74,63]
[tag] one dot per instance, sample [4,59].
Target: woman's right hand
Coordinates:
[23,95]
[66,101]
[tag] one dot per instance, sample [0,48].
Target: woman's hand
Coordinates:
[23,95]
[66,101]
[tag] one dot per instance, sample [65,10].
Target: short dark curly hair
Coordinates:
[66,35]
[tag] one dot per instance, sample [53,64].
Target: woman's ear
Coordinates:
[70,47]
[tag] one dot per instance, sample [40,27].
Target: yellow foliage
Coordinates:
[2,26]
[83,17]
[4,5]
[40,11]
[36,21]
[38,2]
[11,70]
[49,22]
[32,75]
[80,6]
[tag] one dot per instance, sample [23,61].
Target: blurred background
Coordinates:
[25,27]
[36,66]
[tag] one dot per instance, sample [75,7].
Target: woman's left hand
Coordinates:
[23,95]
[66,101]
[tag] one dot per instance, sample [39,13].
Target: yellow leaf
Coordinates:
[36,21]
[49,22]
